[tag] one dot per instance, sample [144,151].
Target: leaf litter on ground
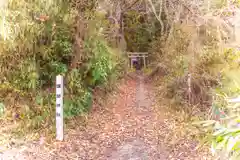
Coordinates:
[121,129]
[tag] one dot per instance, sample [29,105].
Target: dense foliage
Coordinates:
[200,54]
[195,45]
[38,42]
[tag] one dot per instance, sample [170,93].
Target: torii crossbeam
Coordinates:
[134,56]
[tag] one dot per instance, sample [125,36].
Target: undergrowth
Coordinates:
[36,45]
[201,79]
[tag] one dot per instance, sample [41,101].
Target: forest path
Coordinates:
[130,126]
[144,142]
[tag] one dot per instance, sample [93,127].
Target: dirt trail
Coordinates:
[128,127]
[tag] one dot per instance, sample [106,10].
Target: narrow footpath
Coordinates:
[130,126]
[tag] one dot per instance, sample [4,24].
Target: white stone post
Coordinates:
[59,107]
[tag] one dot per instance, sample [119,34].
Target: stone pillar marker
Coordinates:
[59,108]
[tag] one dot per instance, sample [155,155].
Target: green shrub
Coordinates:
[37,51]
[223,127]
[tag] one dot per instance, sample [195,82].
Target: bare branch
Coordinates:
[157,16]
[130,6]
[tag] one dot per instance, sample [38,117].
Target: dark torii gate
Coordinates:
[137,56]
